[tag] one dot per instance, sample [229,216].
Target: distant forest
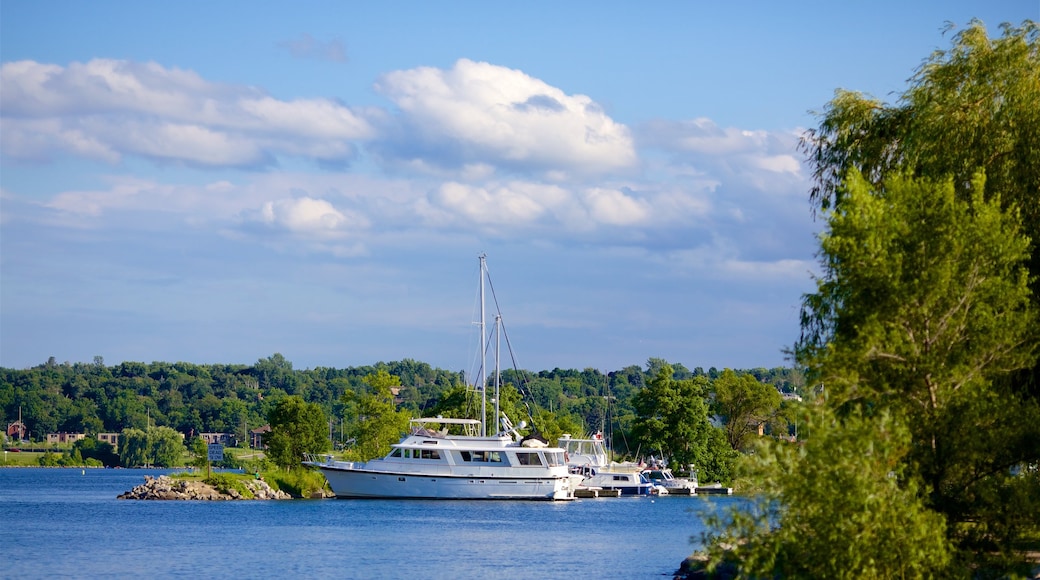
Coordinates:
[224,398]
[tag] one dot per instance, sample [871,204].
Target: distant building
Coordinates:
[110,438]
[226,439]
[256,437]
[17,430]
[62,438]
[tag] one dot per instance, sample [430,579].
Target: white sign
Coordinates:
[216,452]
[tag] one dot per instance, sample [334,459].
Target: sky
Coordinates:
[217,182]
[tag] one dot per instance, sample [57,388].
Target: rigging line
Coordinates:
[525,394]
[524,386]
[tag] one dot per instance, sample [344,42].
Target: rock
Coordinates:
[696,568]
[167,488]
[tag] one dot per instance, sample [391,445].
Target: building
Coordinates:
[225,439]
[256,437]
[64,438]
[110,438]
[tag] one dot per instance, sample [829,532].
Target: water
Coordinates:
[68,523]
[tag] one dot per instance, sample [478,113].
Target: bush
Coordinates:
[225,482]
[298,482]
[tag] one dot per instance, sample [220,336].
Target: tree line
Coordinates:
[136,398]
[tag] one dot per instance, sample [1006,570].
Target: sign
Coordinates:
[215,452]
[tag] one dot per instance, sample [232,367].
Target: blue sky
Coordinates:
[215,182]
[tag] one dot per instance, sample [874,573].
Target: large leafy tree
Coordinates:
[376,422]
[924,317]
[672,418]
[839,506]
[923,308]
[746,404]
[970,108]
[297,428]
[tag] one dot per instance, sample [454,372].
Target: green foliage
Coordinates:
[672,419]
[156,446]
[923,306]
[92,449]
[297,428]
[297,483]
[925,314]
[225,482]
[839,506]
[746,404]
[376,421]
[50,459]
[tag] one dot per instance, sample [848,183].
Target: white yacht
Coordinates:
[450,458]
[433,463]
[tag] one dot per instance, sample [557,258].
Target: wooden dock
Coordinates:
[714,490]
[586,492]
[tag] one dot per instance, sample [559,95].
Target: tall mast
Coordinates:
[483,353]
[498,349]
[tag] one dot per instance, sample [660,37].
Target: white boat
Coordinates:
[589,459]
[627,482]
[662,477]
[432,463]
[450,458]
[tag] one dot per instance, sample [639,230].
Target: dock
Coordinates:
[586,492]
[714,490]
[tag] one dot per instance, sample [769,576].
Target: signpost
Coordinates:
[214,452]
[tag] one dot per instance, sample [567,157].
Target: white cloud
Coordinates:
[308,216]
[478,112]
[105,109]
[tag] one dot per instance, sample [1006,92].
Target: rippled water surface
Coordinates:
[68,523]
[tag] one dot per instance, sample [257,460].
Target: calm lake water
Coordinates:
[68,523]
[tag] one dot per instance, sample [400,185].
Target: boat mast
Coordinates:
[483,353]
[498,350]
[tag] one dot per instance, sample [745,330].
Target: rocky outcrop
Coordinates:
[165,487]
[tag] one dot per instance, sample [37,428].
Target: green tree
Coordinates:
[91,448]
[376,422]
[199,451]
[746,404]
[133,448]
[969,108]
[166,447]
[297,428]
[922,307]
[672,418]
[156,446]
[839,506]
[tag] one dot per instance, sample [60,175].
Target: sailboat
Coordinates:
[455,458]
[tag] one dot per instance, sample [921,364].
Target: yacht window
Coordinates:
[396,452]
[494,457]
[466,455]
[554,458]
[429,454]
[528,458]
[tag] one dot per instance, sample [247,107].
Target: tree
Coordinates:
[156,446]
[672,418]
[840,506]
[970,108]
[746,404]
[133,448]
[297,428]
[923,305]
[376,423]
[166,447]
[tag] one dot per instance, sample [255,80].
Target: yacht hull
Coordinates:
[347,482]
